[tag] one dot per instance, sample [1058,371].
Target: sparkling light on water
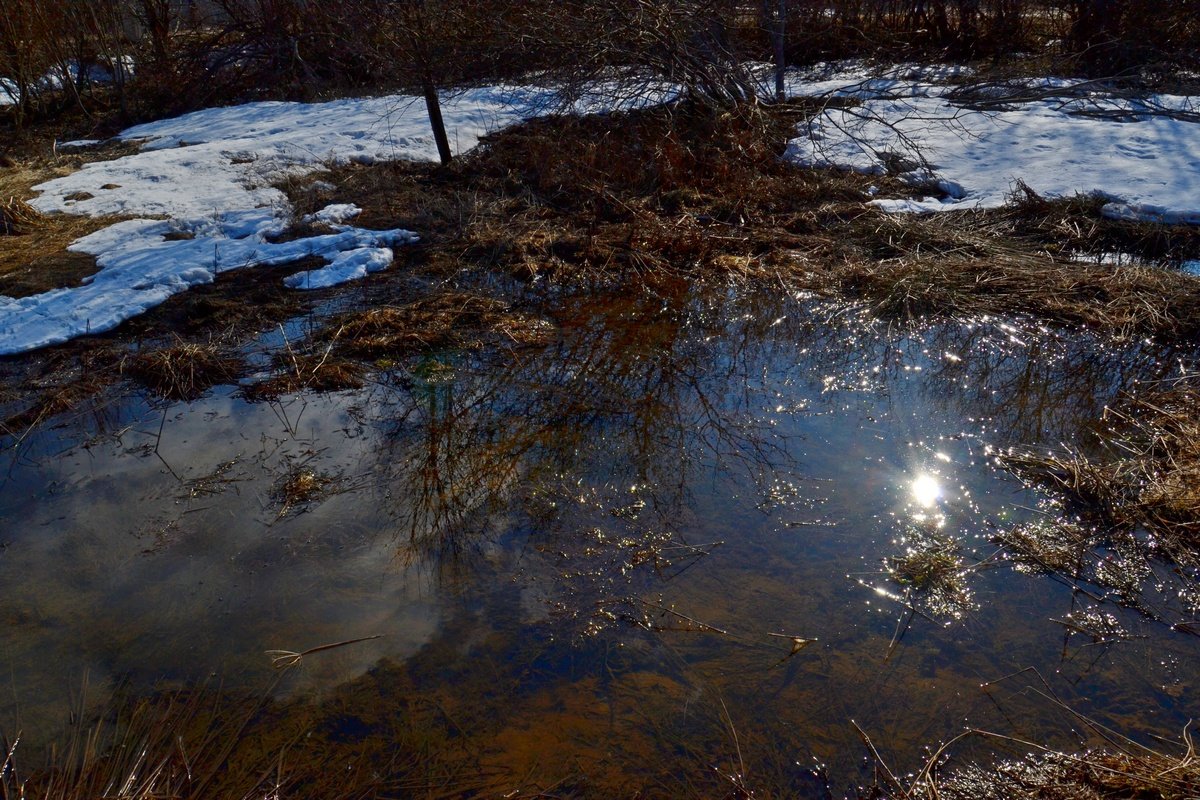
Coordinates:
[926,491]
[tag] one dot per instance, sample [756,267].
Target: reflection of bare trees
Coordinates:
[643,390]
[624,408]
[1032,383]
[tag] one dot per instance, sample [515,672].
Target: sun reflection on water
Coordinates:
[926,491]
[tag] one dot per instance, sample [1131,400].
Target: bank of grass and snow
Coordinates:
[202,199]
[968,144]
[200,194]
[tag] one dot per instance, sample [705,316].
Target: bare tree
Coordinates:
[415,29]
[684,42]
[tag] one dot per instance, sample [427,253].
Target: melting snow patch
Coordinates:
[141,267]
[347,266]
[1143,154]
[208,178]
[79,144]
[334,214]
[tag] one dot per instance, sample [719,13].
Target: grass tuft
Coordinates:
[1147,473]
[183,371]
[446,319]
[17,217]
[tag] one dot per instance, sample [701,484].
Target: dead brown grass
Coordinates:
[17,217]
[656,193]
[33,246]
[1146,474]
[318,372]
[977,264]
[1076,226]
[183,370]
[707,196]
[444,319]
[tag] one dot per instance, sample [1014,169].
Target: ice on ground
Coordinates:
[1142,155]
[202,198]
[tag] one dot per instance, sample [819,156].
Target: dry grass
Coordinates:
[661,193]
[649,194]
[17,217]
[1087,776]
[1077,226]
[316,372]
[184,370]
[1147,474]
[33,246]
[445,319]
[973,264]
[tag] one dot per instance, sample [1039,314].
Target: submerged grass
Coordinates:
[1121,769]
[1085,776]
[1128,515]
[1146,474]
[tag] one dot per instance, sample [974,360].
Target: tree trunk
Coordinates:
[780,53]
[774,22]
[434,107]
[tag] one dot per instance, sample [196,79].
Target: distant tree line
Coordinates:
[135,59]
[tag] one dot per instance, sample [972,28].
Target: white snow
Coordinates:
[58,77]
[1145,162]
[346,266]
[202,198]
[79,144]
[333,214]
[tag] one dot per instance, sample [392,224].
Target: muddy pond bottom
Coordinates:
[687,548]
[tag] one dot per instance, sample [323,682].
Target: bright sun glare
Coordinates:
[926,491]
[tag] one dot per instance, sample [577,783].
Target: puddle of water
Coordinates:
[695,537]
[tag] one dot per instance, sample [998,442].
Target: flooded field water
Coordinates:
[670,549]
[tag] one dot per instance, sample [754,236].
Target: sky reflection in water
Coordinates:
[609,538]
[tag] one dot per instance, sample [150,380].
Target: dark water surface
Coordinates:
[592,559]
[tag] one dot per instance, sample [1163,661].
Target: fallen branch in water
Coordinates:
[282,659]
